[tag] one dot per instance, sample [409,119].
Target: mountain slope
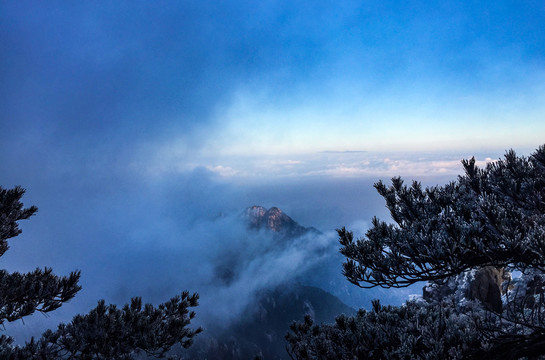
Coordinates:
[261,329]
[262,325]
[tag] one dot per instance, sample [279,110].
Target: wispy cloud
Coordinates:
[327,164]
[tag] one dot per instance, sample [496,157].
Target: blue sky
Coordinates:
[133,124]
[274,78]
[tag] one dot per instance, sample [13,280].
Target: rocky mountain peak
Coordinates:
[255,215]
[272,219]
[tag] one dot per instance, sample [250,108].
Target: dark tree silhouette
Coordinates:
[488,221]
[40,290]
[106,332]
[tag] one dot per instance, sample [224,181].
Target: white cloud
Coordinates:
[318,164]
[223,170]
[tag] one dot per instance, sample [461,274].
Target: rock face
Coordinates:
[487,287]
[274,220]
[486,284]
[255,216]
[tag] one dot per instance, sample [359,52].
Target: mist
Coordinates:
[155,238]
[142,130]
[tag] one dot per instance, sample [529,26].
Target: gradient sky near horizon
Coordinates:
[133,124]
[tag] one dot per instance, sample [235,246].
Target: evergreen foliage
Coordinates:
[106,332]
[416,330]
[489,218]
[40,290]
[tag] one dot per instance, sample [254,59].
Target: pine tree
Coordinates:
[489,221]
[106,332]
